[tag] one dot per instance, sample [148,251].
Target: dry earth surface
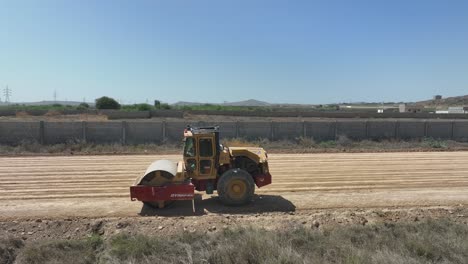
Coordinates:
[74,196]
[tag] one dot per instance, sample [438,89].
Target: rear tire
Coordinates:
[236,187]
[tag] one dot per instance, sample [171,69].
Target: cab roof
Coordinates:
[202,130]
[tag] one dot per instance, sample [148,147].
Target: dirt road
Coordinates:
[97,186]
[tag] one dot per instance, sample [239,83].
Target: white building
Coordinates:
[456,110]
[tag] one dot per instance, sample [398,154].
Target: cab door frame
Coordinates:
[212,159]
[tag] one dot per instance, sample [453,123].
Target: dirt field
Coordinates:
[97,186]
[75,197]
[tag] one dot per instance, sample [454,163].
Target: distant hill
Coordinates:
[449,101]
[183,103]
[250,102]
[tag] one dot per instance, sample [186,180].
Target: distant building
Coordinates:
[413,109]
[402,108]
[437,97]
[456,110]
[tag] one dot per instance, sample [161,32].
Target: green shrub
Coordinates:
[144,249]
[434,143]
[107,103]
[165,106]
[343,141]
[137,107]
[327,144]
[83,106]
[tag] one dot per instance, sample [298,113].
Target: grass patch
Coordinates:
[432,241]
[144,249]
[9,248]
[423,242]
[62,251]
[434,143]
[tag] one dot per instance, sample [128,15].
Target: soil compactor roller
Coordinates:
[207,166]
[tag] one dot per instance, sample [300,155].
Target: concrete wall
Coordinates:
[287,130]
[411,129]
[104,132]
[352,129]
[255,130]
[321,130]
[381,129]
[140,132]
[143,132]
[460,131]
[63,132]
[439,129]
[228,129]
[16,132]
[175,130]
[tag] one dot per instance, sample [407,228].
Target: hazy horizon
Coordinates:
[64,102]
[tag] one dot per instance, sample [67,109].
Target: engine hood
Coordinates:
[256,154]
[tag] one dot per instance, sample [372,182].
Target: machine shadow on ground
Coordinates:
[260,204]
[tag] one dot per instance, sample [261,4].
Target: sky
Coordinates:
[292,51]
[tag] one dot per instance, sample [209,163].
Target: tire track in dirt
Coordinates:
[98,185]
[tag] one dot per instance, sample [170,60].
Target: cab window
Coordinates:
[205,166]
[191,165]
[189,148]
[206,147]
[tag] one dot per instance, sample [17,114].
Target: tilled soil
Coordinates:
[74,196]
[78,228]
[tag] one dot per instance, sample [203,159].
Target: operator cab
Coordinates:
[201,151]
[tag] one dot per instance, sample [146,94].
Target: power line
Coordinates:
[7,94]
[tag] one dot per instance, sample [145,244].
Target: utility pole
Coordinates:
[55,96]
[7,94]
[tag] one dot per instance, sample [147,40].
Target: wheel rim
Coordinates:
[237,189]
